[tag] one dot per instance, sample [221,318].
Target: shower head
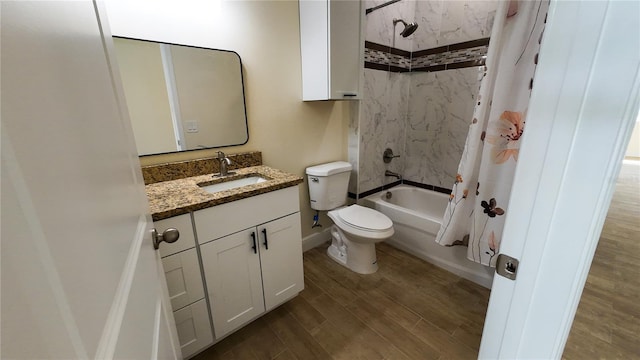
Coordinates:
[408,28]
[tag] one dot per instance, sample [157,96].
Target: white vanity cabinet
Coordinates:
[185,284]
[332,49]
[251,255]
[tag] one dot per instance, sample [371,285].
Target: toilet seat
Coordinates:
[359,232]
[364,219]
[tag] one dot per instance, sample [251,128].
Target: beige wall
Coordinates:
[633,150]
[144,86]
[209,88]
[290,133]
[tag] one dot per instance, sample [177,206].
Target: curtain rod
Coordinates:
[380,6]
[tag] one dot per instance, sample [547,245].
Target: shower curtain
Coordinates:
[481,190]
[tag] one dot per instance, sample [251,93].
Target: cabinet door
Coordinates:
[331,49]
[232,272]
[184,280]
[281,257]
[346,53]
[194,329]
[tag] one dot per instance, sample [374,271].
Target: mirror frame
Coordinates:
[244,99]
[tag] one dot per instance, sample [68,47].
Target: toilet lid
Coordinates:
[365,218]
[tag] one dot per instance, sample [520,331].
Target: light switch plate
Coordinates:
[192,126]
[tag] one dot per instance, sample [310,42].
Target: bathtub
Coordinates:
[417,214]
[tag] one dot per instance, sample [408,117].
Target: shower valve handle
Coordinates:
[388,155]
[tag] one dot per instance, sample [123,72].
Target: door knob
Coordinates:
[170,235]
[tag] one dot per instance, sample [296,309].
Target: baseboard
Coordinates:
[316,239]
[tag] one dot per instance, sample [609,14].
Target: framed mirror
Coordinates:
[182,98]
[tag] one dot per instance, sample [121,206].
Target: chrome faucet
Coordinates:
[224,162]
[391,173]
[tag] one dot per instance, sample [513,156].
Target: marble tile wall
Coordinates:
[422,116]
[440,111]
[379,23]
[440,22]
[446,22]
[353,147]
[383,113]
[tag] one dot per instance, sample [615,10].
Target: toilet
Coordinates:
[356,229]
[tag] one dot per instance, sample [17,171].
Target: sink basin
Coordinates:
[232,184]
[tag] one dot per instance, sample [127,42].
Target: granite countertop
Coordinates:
[176,197]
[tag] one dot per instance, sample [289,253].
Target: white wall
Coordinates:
[290,133]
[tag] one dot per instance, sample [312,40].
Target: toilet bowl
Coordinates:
[354,234]
[356,229]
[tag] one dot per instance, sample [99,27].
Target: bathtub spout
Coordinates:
[391,173]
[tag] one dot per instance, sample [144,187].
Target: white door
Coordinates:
[234,281]
[80,278]
[280,249]
[584,103]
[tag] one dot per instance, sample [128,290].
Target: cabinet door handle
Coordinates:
[266,242]
[254,247]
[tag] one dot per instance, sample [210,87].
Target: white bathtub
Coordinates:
[417,214]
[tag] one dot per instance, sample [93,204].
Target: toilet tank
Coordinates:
[328,184]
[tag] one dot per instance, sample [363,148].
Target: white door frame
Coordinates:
[583,106]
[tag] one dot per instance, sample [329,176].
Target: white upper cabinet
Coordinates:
[332,49]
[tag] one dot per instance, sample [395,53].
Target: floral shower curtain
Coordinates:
[482,188]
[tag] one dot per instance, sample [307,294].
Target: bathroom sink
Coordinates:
[232,184]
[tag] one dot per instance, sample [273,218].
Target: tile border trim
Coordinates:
[428,187]
[454,56]
[396,183]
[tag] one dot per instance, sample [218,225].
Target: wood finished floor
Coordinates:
[409,309]
[607,323]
